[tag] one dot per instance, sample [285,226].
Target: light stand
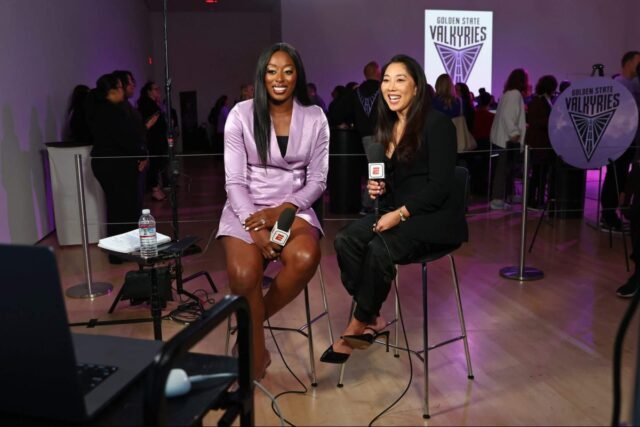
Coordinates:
[175,169]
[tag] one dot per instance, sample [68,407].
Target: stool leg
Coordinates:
[425,341]
[312,359]
[325,302]
[463,328]
[227,336]
[396,351]
[342,366]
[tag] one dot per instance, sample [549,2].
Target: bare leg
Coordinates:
[300,258]
[244,268]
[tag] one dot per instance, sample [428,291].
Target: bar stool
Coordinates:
[305,329]
[434,253]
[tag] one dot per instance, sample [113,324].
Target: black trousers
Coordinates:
[367,262]
[120,183]
[609,195]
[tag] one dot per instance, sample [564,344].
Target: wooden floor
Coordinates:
[541,351]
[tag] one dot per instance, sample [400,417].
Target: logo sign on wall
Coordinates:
[592,121]
[459,43]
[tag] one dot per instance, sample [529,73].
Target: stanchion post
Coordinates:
[521,272]
[88,289]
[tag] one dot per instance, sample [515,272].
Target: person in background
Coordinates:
[77,128]
[149,104]
[351,85]
[617,172]
[118,156]
[266,176]
[630,208]
[416,202]
[246,92]
[446,100]
[337,94]
[508,132]
[358,107]
[217,119]
[316,99]
[537,137]
[481,131]
[466,97]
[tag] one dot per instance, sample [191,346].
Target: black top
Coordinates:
[116,132]
[79,127]
[157,134]
[283,141]
[357,107]
[425,186]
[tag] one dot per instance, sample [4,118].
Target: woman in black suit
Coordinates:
[415,198]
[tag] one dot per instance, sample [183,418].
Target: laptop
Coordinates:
[45,370]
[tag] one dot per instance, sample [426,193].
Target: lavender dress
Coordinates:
[299,178]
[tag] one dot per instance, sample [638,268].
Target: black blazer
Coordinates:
[425,186]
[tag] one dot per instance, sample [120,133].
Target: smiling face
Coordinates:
[280,77]
[398,88]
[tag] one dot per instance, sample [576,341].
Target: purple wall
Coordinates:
[48,47]
[336,38]
[211,53]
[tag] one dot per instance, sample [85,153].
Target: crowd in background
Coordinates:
[105,117]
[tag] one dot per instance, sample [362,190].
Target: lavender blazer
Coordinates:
[299,178]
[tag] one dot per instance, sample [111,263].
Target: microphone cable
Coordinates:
[406,340]
[274,407]
[617,357]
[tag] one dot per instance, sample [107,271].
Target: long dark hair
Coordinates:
[261,116]
[78,98]
[518,79]
[106,83]
[416,116]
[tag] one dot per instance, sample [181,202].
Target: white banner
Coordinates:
[459,43]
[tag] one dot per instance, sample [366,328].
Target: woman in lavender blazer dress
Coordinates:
[276,157]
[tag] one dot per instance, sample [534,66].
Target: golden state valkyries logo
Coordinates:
[459,43]
[593,122]
[591,110]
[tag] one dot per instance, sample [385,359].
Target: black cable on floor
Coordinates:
[406,340]
[290,371]
[617,357]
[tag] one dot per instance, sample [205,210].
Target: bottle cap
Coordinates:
[146,211]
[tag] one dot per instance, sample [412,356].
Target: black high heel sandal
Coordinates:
[332,356]
[364,341]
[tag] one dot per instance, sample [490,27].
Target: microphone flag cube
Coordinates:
[376,170]
[279,237]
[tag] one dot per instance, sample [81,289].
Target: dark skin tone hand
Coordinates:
[259,225]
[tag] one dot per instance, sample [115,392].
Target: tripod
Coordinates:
[172,251]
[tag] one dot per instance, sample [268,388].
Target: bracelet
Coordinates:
[402,217]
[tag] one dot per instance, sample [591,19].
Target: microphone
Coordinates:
[281,230]
[179,383]
[376,157]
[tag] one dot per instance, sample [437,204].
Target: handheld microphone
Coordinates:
[281,230]
[376,157]
[179,383]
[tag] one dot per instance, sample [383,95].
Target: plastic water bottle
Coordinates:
[147,229]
